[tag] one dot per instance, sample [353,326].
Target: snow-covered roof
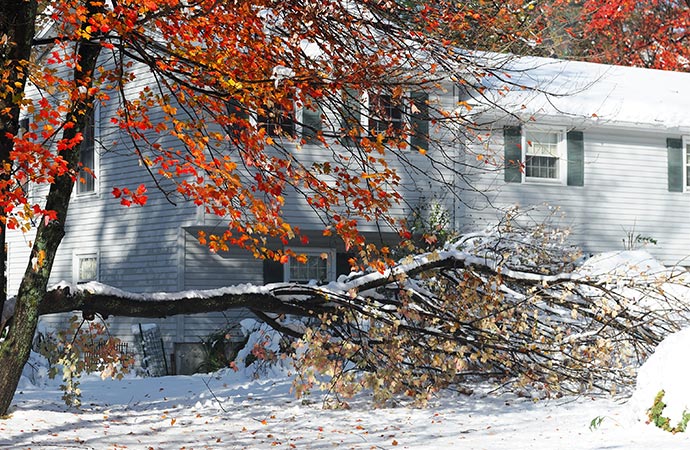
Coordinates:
[583,93]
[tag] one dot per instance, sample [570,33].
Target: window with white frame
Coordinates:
[86,184]
[85,267]
[319,266]
[380,113]
[544,154]
[278,120]
[384,113]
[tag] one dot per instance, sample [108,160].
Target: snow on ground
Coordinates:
[235,410]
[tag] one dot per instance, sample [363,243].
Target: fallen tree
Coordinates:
[511,304]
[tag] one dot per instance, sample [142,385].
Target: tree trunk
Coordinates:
[15,350]
[17,23]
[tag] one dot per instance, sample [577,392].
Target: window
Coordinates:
[86,184]
[320,266]
[384,114]
[545,155]
[277,120]
[85,267]
[23,126]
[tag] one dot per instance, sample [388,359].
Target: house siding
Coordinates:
[625,191]
[420,177]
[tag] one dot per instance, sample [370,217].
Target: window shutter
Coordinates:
[420,121]
[350,114]
[675,164]
[512,141]
[273,271]
[576,158]
[87,156]
[311,123]
[342,264]
[237,113]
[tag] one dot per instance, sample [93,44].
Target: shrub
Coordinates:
[655,416]
[78,349]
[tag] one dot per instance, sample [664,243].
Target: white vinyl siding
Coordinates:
[626,189]
[686,165]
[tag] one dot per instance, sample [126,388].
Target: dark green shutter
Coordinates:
[350,114]
[512,141]
[87,155]
[675,164]
[576,158]
[273,271]
[311,124]
[237,114]
[419,119]
[342,263]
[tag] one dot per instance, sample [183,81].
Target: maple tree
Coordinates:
[649,33]
[211,127]
[211,64]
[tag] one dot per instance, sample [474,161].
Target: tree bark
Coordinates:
[15,349]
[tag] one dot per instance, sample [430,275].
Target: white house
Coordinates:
[607,145]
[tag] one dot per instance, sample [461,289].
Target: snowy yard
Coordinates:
[235,410]
[181,412]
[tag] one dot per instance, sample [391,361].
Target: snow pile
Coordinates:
[631,263]
[667,369]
